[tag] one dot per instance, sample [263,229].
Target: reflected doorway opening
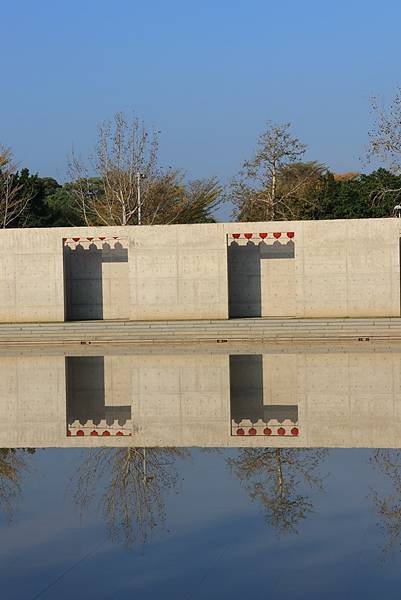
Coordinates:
[91,409]
[252,413]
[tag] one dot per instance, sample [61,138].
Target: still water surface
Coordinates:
[271,519]
[263,523]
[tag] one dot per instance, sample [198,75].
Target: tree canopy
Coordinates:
[123,183]
[308,191]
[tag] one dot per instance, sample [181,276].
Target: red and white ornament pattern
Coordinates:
[281,237]
[103,429]
[98,241]
[270,428]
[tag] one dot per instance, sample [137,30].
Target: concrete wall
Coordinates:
[178,272]
[339,269]
[96,279]
[31,276]
[344,268]
[173,272]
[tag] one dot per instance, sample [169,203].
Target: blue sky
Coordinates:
[207,74]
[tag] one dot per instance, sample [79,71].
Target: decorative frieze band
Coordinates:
[89,428]
[266,237]
[99,242]
[270,428]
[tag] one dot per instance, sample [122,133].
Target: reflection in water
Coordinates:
[217,548]
[12,464]
[295,397]
[134,483]
[388,506]
[274,477]
[87,390]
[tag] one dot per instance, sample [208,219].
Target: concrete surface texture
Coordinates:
[368,332]
[96,281]
[304,269]
[278,399]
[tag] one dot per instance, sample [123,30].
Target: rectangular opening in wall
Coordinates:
[89,409]
[244,281]
[261,274]
[246,387]
[251,412]
[96,278]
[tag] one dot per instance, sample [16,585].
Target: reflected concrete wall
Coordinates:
[172,401]
[97,389]
[32,401]
[345,268]
[344,399]
[262,387]
[181,397]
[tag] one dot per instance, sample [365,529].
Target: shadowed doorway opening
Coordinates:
[96,278]
[261,274]
[93,404]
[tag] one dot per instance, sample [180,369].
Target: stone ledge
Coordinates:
[169,332]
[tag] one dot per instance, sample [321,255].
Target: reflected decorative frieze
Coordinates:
[272,427]
[295,399]
[253,412]
[92,394]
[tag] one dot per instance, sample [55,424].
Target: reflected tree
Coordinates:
[388,506]
[12,464]
[133,484]
[275,479]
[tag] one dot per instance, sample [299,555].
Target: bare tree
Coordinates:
[13,198]
[257,184]
[134,486]
[388,505]
[12,464]
[385,143]
[272,477]
[125,151]
[385,134]
[123,184]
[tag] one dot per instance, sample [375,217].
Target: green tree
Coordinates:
[357,197]
[37,213]
[46,202]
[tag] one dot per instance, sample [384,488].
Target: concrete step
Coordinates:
[178,325]
[383,329]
